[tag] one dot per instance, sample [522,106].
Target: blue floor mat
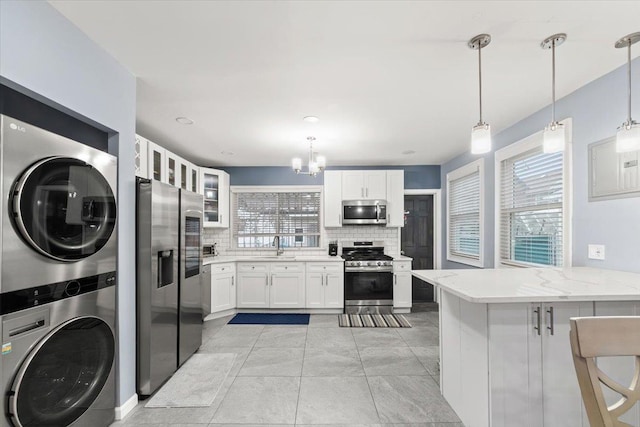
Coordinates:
[269,319]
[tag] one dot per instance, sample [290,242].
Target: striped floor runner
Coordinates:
[373,321]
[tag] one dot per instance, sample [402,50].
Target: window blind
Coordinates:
[531,210]
[293,216]
[464,216]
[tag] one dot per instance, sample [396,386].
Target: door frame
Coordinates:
[437,225]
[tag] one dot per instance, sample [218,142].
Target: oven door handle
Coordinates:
[384,269]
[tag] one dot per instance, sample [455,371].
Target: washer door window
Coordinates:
[64,208]
[64,374]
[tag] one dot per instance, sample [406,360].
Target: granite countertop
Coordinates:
[271,258]
[506,285]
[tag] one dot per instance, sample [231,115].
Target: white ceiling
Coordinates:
[384,77]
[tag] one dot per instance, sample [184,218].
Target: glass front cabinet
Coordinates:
[214,186]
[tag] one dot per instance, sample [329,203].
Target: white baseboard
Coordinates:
[122,411]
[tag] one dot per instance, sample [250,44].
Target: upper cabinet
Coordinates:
[156,168]
[214,186]
[332,198]
[385,185]
[141,157]
[154,162]
[395,198]
[364,185]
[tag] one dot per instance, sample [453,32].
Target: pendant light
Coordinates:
[554,133]
[316,163]
[628,136]
[480,133]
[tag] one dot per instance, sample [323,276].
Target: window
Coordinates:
[532,229]
[465,214]
[260,216]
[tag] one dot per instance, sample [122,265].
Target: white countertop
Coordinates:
[402,258]
[281,258]
[506,285]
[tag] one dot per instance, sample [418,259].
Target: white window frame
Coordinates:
[517,148]
[234,189]
[468,169]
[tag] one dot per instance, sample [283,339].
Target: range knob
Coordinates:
[380,263]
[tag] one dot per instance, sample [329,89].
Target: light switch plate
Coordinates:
[596,252]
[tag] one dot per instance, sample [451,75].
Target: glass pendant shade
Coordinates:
[481,139]
[313,168]
[321,161]
[628,137]
[296,164]
[554,138]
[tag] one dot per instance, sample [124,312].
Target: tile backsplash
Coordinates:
[389,235]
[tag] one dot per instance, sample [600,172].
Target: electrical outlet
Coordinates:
[596,252]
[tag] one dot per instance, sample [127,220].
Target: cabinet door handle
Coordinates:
[322,280]
[233,280]
[367,192]
[551,326]
[361,191]
[538,320]
[395,279]
[272,280]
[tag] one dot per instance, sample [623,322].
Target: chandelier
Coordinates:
[316,163]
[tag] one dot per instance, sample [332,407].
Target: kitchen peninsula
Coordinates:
[504,340]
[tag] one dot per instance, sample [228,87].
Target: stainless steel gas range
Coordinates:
[368,278]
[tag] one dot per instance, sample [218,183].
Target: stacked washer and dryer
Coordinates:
[58,279]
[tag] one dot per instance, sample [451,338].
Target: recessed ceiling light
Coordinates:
[311,119]
[407,152]
[227,153]
[184,120]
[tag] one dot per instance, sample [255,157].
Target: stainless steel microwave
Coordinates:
[364,212]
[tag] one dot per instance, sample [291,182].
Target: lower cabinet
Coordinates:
[223,289]
[270,285]
[402,281]
[510,364]
[324,285]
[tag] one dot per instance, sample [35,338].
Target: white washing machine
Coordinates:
[58,279]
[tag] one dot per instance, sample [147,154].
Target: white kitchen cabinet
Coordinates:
[395,198]
[194,178]
[214,186]
[402,292]
[183,174]
[156,161]
[510,364]
[286,285]
[172,168]
[530,365]
[270,285]
[364,185]
[324,285]
[141,157]
[223,289]
[332,193]
[253,285]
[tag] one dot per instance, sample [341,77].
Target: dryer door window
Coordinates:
[64,208]
[64,374]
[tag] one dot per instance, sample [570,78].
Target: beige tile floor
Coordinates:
[319,374]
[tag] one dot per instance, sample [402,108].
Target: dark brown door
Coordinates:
[417,241]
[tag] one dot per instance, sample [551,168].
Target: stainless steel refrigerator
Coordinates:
[168,265]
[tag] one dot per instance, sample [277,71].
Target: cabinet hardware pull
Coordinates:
[551,326]
[362,191]
[233,280]
[272,280]
[367,192]
[395,279]
[538,321]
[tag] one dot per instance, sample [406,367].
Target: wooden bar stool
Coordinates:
[593,337]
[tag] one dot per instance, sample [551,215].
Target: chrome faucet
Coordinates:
[276,243]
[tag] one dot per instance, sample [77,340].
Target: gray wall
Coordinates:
[45,56]
[415,177]
[597,109]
